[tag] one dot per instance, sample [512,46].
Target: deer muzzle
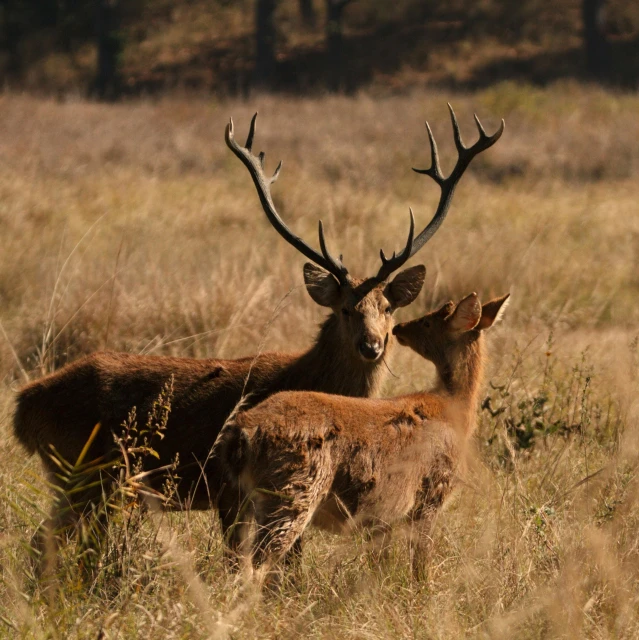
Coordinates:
[402,332]
[371,350]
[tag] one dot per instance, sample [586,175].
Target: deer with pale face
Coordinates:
[62,409]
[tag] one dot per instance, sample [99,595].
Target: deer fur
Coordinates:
[348,357]
[61,409]
[307,458]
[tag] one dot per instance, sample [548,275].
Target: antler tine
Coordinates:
[336,264]
[459,143]
[447,185]
[396,261]
[482,132]
[489,141]
[434,171]
[251,133]
[255,166]
[276,173]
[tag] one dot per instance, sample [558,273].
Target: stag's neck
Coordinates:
[461,383]
[331,367]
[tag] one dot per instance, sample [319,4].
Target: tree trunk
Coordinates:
[307,13]
[264,72]
[13,34]
[595,43]
[335,43]
[109,44]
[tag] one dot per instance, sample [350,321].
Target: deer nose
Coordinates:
[370,350]
[399,331]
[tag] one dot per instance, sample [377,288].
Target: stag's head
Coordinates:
[364,308]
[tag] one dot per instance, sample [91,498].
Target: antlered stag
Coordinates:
[302,458]
[61,409]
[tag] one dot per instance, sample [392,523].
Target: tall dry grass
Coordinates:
[133,227]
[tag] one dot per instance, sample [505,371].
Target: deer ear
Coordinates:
[322,286]
[466,315]
[406,286]
[493,311]
[446,309]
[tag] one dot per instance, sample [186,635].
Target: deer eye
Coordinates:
[346,312]
[388,310]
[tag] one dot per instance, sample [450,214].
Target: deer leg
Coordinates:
[65,518]
[280,526]
[378,535]
[294,556]
[44,545]
[235,511]
[64,515]
[381,539]
[276,535]
[421,544]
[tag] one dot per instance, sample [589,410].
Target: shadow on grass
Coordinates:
[437,48]
[224,67]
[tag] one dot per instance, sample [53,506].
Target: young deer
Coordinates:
[335,462]
[347,358]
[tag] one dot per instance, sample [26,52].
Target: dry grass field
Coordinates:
[133,227]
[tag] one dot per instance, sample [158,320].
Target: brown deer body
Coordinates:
[347,358]
[103,387]
[335,462]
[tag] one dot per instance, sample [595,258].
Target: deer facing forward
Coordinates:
[348,356]
[302,458]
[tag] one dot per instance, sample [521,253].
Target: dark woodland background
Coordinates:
[113,48]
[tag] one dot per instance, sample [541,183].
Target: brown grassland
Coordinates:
[133,227]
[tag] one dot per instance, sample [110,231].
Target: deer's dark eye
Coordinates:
[346,312]
[388,310]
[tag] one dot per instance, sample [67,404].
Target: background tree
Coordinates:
[265,37]
[595,43]
[307,13]
[109,48]
[19,19]
[335,43]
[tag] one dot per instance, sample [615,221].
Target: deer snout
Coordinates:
[399,331]
[371,349]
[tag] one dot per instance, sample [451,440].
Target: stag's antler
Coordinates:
[255,165]
[447,185]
